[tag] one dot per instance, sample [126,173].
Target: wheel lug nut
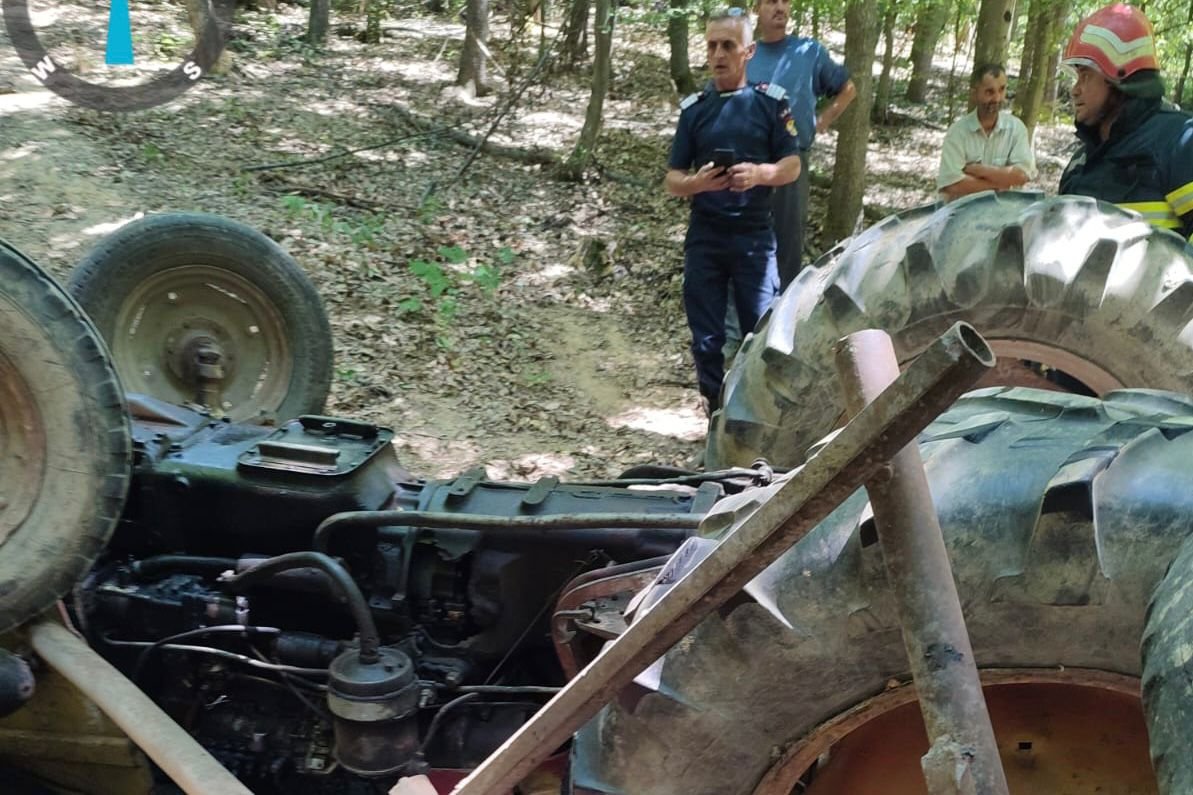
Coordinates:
[172,297]
[254,330]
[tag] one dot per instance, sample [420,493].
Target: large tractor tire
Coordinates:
[65,449]
[168,290]
[1075,284]
[1061,513]
[1167,686]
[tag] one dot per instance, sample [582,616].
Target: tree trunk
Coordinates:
[581,156]
[816,21]
[1033,92]
[960,42]
[882,96]
[1032,52]
[196,11]
[1059,14]
[677,37]
[1046,32]
[1027,61]
[473,74]
[862,25]
[1048,109]
[319,21]
[575,36]
[994,22]
[929,22]
[1179,92]
[374,12]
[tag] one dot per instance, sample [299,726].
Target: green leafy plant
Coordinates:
[442,283]
[362,232]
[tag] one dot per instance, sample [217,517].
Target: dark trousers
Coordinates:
[789,207]
[713,259]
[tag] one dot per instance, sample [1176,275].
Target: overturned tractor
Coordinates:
[309,617]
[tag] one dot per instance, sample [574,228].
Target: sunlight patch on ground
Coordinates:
[413,157]
[423,72]
[546,275]
[532,465]
[551,118]
[422,28]
[334,107]
[18,152]
[427,447]
[112,226]
[682,422]
[37,99]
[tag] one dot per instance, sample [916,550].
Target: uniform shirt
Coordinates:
[804,68]
[966,142]
[755,122]
[1146,164]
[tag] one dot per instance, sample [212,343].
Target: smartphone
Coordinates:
[724,158]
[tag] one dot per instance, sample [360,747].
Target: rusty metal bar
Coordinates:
[930,385]
[187,763]
[964,755]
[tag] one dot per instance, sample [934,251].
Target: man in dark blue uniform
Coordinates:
[734,143]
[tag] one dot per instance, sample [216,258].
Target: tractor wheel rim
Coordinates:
[173,315]
[1097,379]
[1044,720]
[23,448]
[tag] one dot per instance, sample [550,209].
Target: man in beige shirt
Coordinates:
[988,148]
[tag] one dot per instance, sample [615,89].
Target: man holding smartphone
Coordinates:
[734,143]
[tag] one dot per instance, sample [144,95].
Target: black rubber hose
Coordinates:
[761,473]
[655,471]
[158,564]
[1168,675]
[340,578]
[485,522]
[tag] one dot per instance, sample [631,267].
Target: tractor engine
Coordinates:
[322,620]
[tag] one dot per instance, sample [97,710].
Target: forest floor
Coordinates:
[539,362]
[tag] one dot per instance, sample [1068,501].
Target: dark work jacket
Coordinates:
[1146,164]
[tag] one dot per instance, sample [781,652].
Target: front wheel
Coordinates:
[65,449]
[205,310]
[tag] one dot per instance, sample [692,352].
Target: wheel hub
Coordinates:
[196,334]
[22,448]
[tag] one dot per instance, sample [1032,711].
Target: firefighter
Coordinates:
[1135,151]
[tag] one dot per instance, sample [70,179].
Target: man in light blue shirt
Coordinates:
[804,68]
[988,148]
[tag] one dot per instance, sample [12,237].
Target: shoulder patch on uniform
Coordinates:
[772,90]
[690,100]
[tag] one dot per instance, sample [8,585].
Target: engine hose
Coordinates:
[153,646]
[485,522]
[166,563]
[436,721]
[760,472]
[339,576]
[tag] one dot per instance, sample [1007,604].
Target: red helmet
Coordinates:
[1117,41]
